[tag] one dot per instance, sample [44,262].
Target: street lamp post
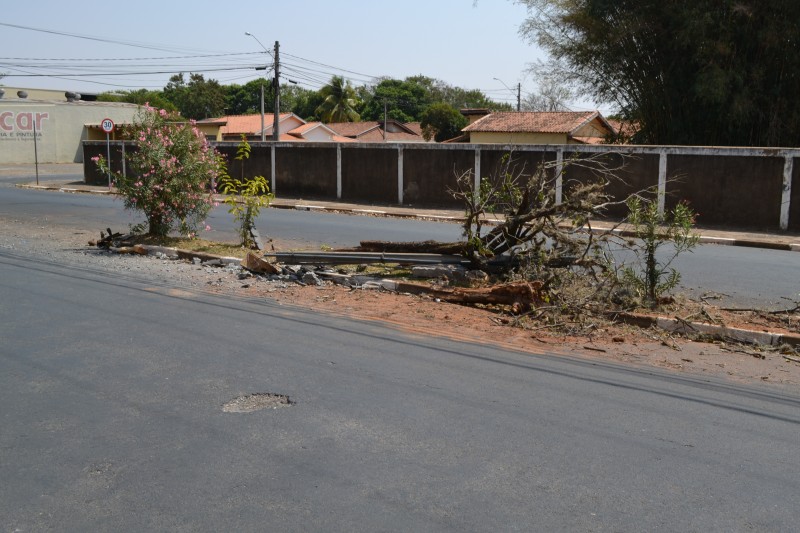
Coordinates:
[263,135]
[519,92]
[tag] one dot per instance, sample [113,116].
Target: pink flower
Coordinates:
[208,228]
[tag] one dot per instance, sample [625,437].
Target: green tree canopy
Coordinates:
[301,101]
[246,99]
[442,121]
[339,102]
[141,97]
[708,72]
[405,101]
[197,99]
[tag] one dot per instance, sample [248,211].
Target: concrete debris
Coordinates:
[438,271]
[310,278]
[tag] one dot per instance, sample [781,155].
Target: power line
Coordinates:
[134,44]
[197,56]
[125,73]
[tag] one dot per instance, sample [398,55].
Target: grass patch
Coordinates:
[195,245]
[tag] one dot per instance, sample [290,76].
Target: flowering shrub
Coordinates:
[171,175]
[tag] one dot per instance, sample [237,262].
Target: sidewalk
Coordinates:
[767,240]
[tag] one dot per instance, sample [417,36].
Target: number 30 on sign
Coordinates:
[107,125]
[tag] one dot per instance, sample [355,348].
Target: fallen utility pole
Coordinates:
[347,258]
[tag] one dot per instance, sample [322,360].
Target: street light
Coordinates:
[519,91]
[263,136]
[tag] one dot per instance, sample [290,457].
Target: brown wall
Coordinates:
[307,173]
[625,173]
[368,175]
[735,188]
[728,190]
[259,163]
[91,174]
[430,175]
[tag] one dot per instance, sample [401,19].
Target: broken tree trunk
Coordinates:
[137,249]
[520,295]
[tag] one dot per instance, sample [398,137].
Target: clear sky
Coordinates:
[104,46]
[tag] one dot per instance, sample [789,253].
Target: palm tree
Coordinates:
[340,101]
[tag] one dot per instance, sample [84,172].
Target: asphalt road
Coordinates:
[744,277]
[111,419]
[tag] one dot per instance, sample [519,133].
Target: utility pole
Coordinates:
[519,93]
[385,117]
[276,134]
[263,135]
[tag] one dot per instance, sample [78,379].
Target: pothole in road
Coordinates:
[257,401]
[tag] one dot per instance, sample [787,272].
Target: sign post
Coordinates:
[108,126]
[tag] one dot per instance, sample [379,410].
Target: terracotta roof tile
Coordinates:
[352,129]
[247,124]
[532,122]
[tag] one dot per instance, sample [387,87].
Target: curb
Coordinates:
[704,239]
[674,325]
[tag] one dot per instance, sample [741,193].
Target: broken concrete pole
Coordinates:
[437,271]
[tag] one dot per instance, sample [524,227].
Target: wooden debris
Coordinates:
[137,249]
[520,295]
[253,263]
[110,240]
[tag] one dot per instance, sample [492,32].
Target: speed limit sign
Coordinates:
[107,125]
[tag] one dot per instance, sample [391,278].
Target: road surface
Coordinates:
[111,418]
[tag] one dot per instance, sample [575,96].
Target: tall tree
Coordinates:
[246,99]
[550,96]
[301,101]
[441,121]
[139,96]
[716,72]
[339,102]
[197,99]
[404,100]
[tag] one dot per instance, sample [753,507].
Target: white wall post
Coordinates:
[400,175]
[662,180]
[338,171]
[559,175]
[476,179]
[786,195]
[272,167]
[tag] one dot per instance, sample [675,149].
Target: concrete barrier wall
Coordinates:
[732,190]
[744,188]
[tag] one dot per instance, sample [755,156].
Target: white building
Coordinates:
[61,121]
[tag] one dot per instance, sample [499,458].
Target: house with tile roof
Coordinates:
[374,132]
[535,127]
[231,127]
[292,129]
